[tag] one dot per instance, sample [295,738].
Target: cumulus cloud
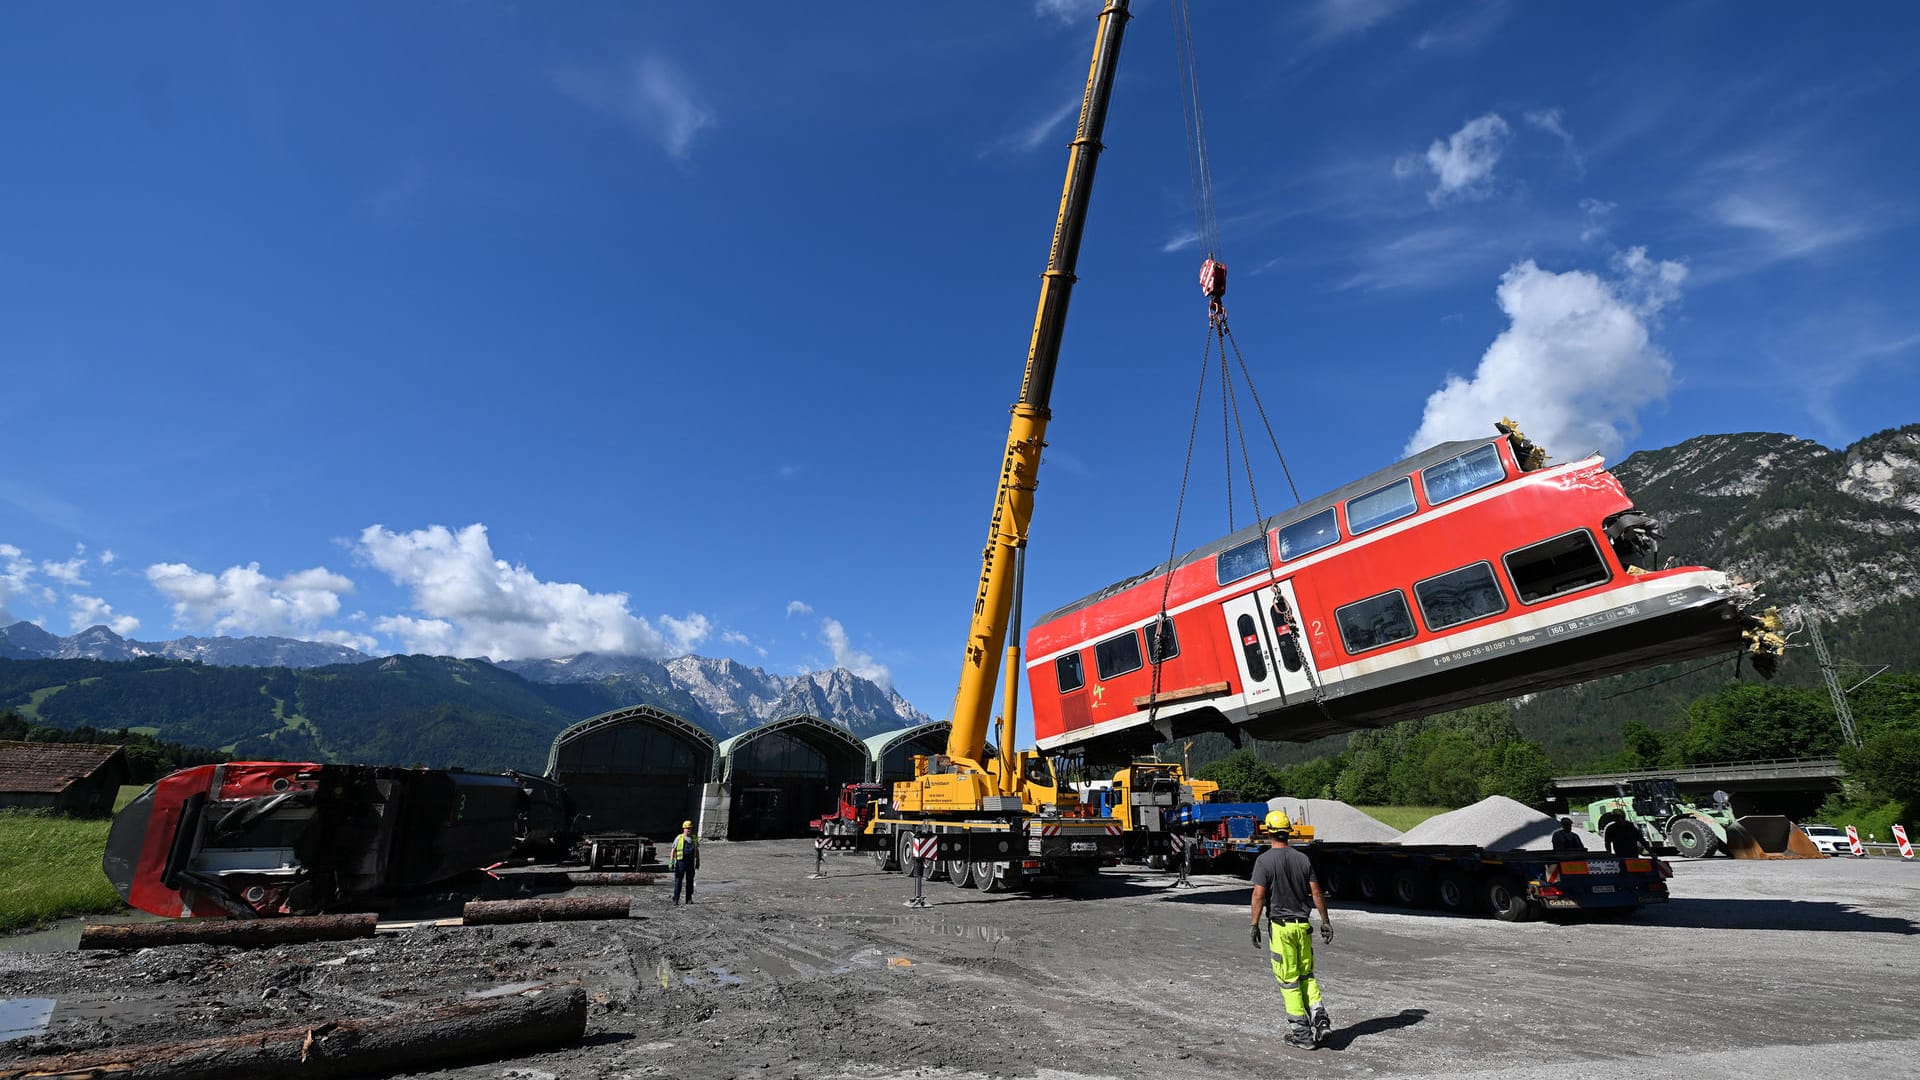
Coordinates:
[66,573]
[107,556]
[17,573]
[1462,163]
[1576,364]
[242,600]
[88,611]
[846,656]
[798,607]
[475,604]
[650,96]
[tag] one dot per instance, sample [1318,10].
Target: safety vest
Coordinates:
[686,849]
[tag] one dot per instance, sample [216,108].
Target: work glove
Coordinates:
[1326,932]
[1255,930]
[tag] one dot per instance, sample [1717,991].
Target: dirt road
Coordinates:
[1755,969]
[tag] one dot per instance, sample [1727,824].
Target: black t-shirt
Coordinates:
[1286,873]
[1622,839]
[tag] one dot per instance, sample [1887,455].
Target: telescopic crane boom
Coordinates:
[961,780]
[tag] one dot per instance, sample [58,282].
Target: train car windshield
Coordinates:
[1309,535]
[1455,477]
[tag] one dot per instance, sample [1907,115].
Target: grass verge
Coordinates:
[1402,817]
[50,867]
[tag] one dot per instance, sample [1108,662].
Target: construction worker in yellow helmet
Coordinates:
[1284,884]
[683,860]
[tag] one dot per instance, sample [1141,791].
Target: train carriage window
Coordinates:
[1309,535]
[1067,670]
[1459,596]
[1557,566]
[1455,477]
[1380,506]
[1243,561]
[1375,621]
[1163,643]
[1117,655]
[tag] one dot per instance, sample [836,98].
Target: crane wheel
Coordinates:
[884,860]
[990,877]
[959,872]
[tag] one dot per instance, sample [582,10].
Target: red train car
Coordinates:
[1455,577]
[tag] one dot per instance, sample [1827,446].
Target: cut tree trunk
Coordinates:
[243,932]
[369,1046]
[612,878]
[490,912]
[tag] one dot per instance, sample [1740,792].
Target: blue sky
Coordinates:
[471,328]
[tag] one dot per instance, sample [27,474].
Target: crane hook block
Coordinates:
[1213,279]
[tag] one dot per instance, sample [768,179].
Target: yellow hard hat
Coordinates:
[1278,821]
[686,824]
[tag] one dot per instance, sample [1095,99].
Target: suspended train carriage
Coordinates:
[1470,572]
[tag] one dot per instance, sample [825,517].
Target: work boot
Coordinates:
[1299,1034]
[1322,1025]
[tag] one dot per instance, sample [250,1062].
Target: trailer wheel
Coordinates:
[1692,838]
[1454,893]
[1370,887]
[1508,900]
[1338,881]
[1410,889]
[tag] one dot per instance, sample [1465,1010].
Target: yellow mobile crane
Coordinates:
[999,814]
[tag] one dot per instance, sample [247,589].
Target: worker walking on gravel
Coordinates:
[1284,884]
[683,860]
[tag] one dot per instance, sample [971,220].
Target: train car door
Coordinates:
[1271,648]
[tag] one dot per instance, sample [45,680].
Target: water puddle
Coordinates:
[935,926]
[726,978]
[20,1017]
[64,936]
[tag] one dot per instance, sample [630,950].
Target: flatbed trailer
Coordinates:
[1513,886]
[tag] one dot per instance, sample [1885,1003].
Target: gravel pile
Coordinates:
[1496,823]
[1336,821]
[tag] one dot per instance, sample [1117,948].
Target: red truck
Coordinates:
[858,802]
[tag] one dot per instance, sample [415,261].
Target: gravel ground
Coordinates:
[1778,969]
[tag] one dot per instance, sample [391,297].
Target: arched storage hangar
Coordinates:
[892,751]
[636,769]
[783,774]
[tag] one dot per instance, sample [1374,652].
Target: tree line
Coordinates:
[148,758]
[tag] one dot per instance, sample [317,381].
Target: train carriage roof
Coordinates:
[1433,455]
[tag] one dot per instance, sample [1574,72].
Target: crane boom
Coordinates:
[1020,464]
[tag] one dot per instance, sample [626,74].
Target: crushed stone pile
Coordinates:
[1336,821]
[1496,823]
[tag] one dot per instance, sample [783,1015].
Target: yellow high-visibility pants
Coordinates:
[1292,946]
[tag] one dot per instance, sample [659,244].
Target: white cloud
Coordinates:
[735,637]
[1034,135]
[242,600]
[1331,20]
[1784,225]
[651,96]
[66,573]
[1596,211]
[846,656]
[107,556]
[1463,162]
[1576,364]
[1180,241]
[796,607]
[89,611]
[16,580]
[479,605]
[366,643]
[1461,32]
[1067,11]
[1553,123]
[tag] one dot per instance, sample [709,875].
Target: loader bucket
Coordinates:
[1769,836]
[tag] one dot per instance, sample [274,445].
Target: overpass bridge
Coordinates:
[1740,777]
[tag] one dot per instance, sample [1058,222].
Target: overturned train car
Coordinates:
[1468,573]
[251,839]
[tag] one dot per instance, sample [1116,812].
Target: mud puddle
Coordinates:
[64,936]
[20,1017]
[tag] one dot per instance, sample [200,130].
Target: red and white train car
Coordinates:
[1455,577]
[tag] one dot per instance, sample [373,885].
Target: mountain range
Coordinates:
[1827,535]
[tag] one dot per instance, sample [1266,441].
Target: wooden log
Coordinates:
[368,1046]
[612,878]
[241,932]
[491,912]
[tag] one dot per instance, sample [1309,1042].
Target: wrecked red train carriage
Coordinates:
[1458,576]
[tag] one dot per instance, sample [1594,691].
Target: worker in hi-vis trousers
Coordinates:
[1284,884]
[683,860]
